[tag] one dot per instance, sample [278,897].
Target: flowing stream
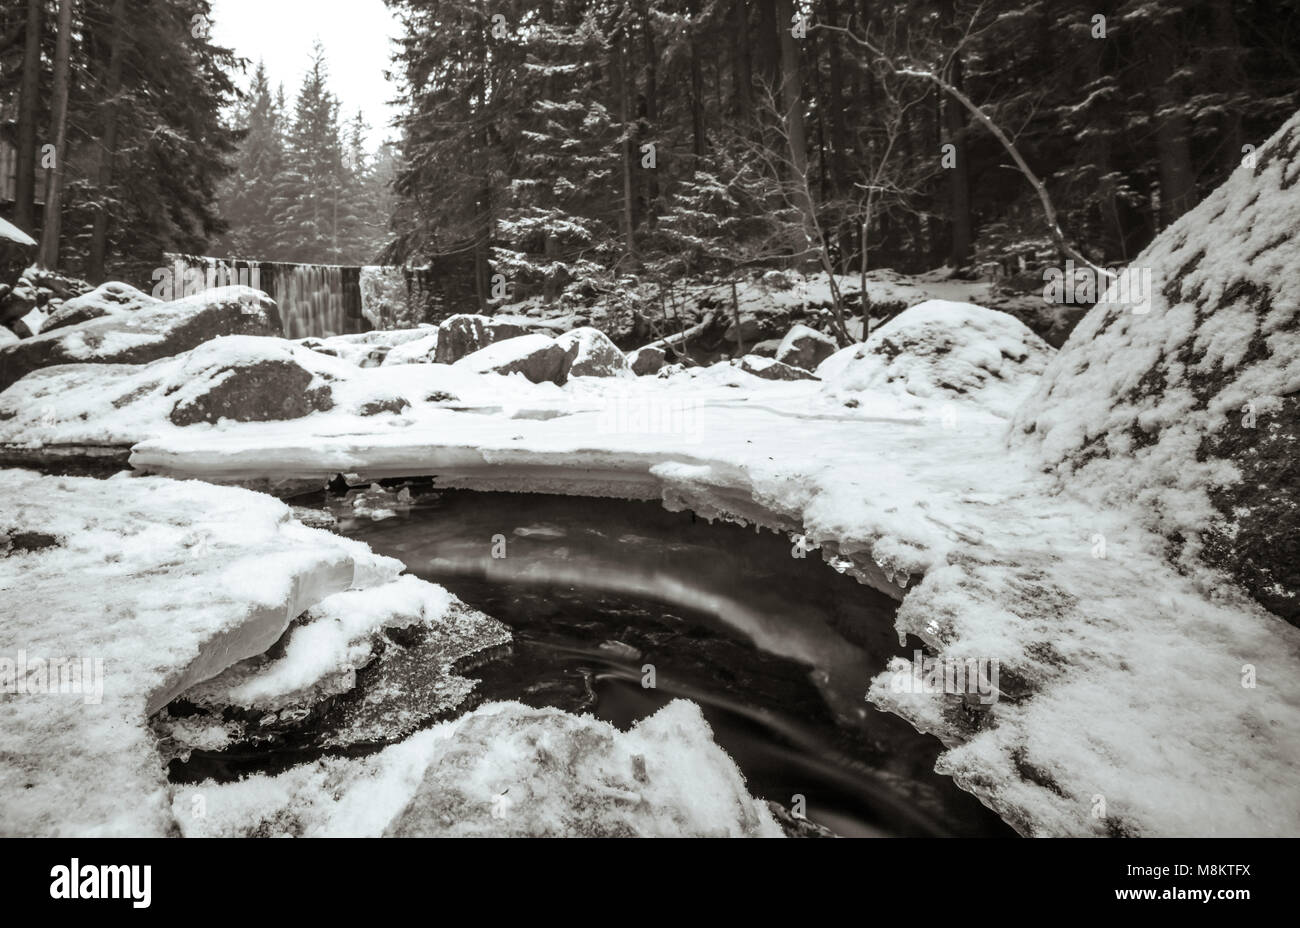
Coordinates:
[777,649]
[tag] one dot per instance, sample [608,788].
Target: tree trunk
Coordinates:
[743,74]
[792,102]
[108,146]
[697,100]
[954,120]
[651,103]
[1173,131]
[29,101]
[49,256]
[620,75]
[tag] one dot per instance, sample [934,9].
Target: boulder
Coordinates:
[7,337]
[391,403]
[368,349]
[944,352]
[463,334]
[804,347]
[1186,404]
[105,300]
[590,353]
[17,251]
[18,302]
[771,369]
[647,360]
[538,358]
[767,348]
[30,324]
[248,379]
[422,350]
[158,331]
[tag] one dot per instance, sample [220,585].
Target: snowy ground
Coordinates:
[1122,705]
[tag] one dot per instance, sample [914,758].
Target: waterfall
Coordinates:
[314,300]
[310,298]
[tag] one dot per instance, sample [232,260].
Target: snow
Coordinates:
[941,350]
[11,233]
[506,351]
[920,497]
[166,583]
[898,468]
[335,639]
[416,351]
[503,770]
[1123,374]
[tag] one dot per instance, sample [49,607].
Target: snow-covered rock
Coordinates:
[105,300]
[369,349]
[804,347]
[421,350]
[17,251]
[146,334]
[647,360]
[7,337]
[590,353]
[1190,406]
[943,352]
[537,357]
[465,333]
[504,770]
[246,378]
[771,369]
[408,635]
[146,586]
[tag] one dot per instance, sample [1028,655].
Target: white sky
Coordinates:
[355,33]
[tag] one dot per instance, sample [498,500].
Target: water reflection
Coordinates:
[777,649]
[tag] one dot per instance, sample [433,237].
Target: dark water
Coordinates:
[596,590]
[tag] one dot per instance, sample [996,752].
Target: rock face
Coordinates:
[461,335]
[247,379]
[647,360]
[17,251]
[537,357]
[590,353]
[944,351]
[146,334]
[105,300]
[771,369]
[1192,408]
[804,347]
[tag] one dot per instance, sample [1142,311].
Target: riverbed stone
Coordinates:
[590,353]
[145,335]
[538,358]
[465,333]
[647,360]
[248,380]
[771,369]
[105,300]
[805,348]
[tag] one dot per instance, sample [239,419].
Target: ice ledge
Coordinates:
[146,586]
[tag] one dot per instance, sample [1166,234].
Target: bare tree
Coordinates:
[49,254]
[939,75]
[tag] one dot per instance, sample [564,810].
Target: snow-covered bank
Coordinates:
[120,595]
[158,583]
[897,467]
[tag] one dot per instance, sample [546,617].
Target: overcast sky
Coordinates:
[355,34]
